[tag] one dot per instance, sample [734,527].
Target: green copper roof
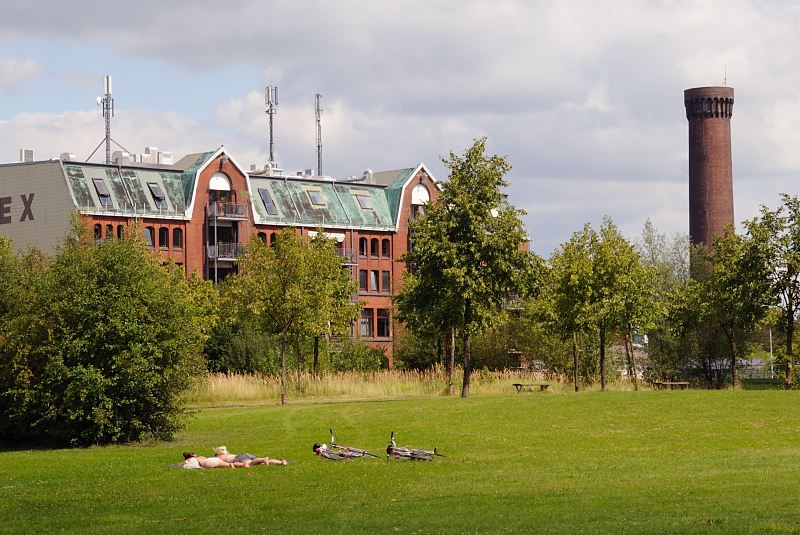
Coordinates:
[337,203]
[395,190]
[129,189]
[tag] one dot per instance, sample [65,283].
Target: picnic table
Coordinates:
[529,386]
[661,385]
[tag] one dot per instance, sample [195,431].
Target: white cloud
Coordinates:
[585,100]
[16,71]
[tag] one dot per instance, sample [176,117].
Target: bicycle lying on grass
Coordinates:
[395,452]
[335,452]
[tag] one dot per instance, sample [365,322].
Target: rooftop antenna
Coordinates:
[725,75]
[107,102]
[271,99]
[318,114]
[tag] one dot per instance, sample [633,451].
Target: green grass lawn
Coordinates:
[646,462]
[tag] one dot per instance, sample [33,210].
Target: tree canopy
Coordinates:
[99,342]
[467,253]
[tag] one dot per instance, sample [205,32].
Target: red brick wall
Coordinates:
[195,234]
[709,111]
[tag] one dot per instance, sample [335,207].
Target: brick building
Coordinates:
[709,111]
[203,209]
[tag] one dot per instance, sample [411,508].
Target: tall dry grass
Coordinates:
[231,389]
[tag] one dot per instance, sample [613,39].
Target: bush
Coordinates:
[354,355]
[243,349]
[97,344]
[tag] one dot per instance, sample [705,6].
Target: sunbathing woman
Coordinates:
[192,460]
[245,459]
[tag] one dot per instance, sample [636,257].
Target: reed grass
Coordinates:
[221,389]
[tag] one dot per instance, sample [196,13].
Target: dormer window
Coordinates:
[102,193]
[315,196]
[158,195]
[269,204]
[364,200]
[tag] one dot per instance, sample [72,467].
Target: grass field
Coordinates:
[632,462]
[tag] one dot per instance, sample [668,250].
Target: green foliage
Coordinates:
[416,351]
[466,253]
[353,355]
[293,289]
[778,233]
[101,341]
[597,284]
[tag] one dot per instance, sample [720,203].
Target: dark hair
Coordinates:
[188,454]
[315,447]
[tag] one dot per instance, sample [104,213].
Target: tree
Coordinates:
[467,253]
[568,291]
[101,344]
[779,231]
[293,287]
[738,290]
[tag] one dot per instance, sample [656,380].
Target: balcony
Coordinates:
[349,258]
[226,251]
[231,211]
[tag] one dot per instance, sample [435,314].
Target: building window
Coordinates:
[386,278]
[362,280]
[149,236]
[158,195]
[177,239]
[383,322]
[163,237]
[373,281]
[120,232]
[102,193]
[362,247]
[269,204]
[386,248]
[109,232]
[98,232]
[367,319]
[262,237]
[420,195]
[364,200]
[272,238]
[373,247]
[315,196]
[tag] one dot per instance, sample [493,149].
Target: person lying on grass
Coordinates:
[192,460]
[245,459]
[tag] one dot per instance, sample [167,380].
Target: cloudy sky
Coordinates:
[584,98]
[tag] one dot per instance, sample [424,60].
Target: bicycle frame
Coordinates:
[414,454]
[336,452]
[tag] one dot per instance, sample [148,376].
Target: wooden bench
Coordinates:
[529,386]
[661,385]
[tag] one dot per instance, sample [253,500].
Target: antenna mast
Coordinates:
[108,112]
[107,102]
[318,113]
[271,98]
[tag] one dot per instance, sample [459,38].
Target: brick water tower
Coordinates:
[709,111]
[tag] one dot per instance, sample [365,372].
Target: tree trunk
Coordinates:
[283,368]
[467,349]
[633,359]
[627,354]
[452,362]
[602,358]
[733,363]
[298,357]
[316,356]
[575,360]
[789,337]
